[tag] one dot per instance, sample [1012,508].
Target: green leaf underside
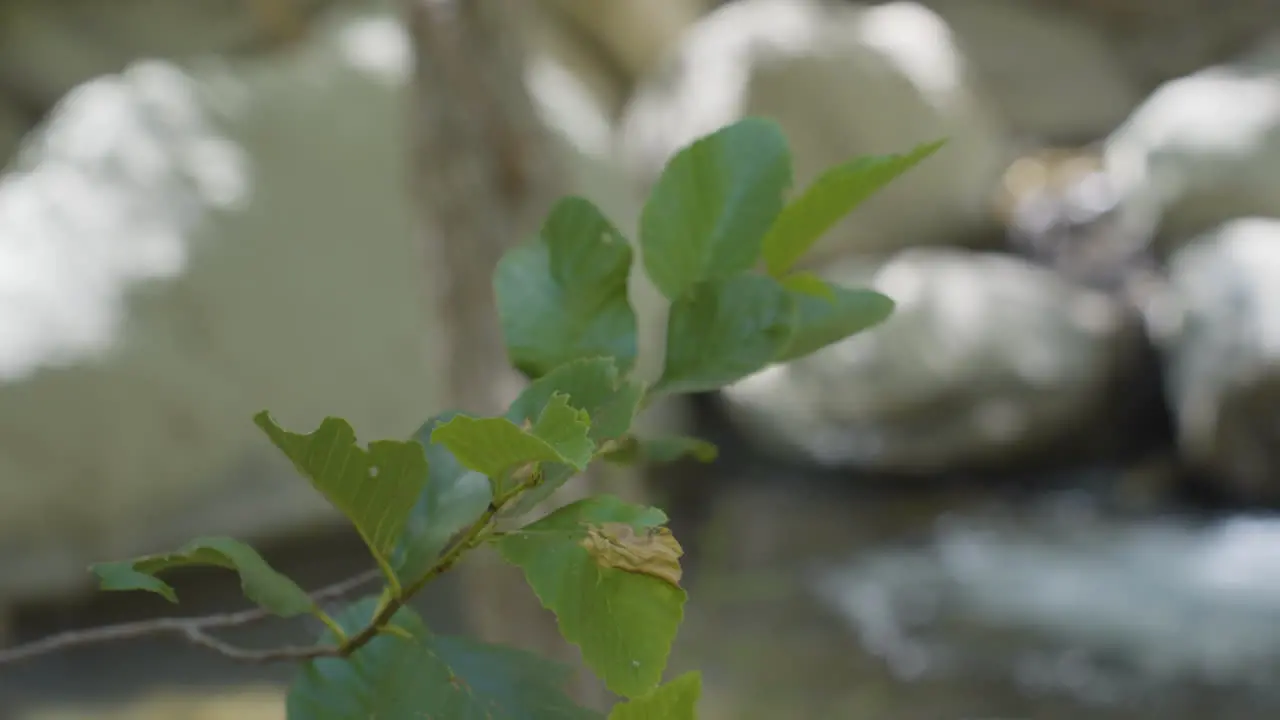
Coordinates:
[593,385]
[676,700]
[453,499]
[261,583]
[496,446]
[721,332]
[829,199]
[819,322]
[563,296]
[375,488]
[429,676]
[633,449]
[709,211]
[623,621]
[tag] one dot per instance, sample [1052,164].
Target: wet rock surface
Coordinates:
[1222,344]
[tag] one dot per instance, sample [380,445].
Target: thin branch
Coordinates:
[195,629]
[260,657]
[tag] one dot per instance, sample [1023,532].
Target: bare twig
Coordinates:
[195,629]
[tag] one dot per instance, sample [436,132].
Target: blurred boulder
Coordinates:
[48,48]
[1158,40]
[183,248]
[987,361]
[843,80]
[1062,209]
[1203,149]
[1220,333]
[1054,77]
[634,34]
[557,42]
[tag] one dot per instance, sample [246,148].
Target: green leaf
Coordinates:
[261,583]
[496,446]
[414,674]
[452,500]
[808,283]
[492,446]
[708,213]
[563,296]
[631,449]
[376,489]
[819,322]
[721,332]
[832,196]
[567,429]
[677,700]
[592,384]
[610,573]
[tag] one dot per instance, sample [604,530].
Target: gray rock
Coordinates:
[1158,40]
[182,249]
[843,80]
[46,49]
[987,360]
[1220,332]
[1055,78]
[634,34]
[1203,149]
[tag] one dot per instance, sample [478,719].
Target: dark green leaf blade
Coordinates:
[831,197]
[453,499]
[819,322]
[677,700]
[261,583]
[429,676]
[709,211]
[723,331]
[375,488]
[624,620]
[592,384]
[563,296]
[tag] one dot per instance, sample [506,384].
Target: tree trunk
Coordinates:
[486,172]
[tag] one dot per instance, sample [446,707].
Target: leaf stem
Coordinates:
[330,623]
[472,537]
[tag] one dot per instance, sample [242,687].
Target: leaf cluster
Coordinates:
[719,236]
